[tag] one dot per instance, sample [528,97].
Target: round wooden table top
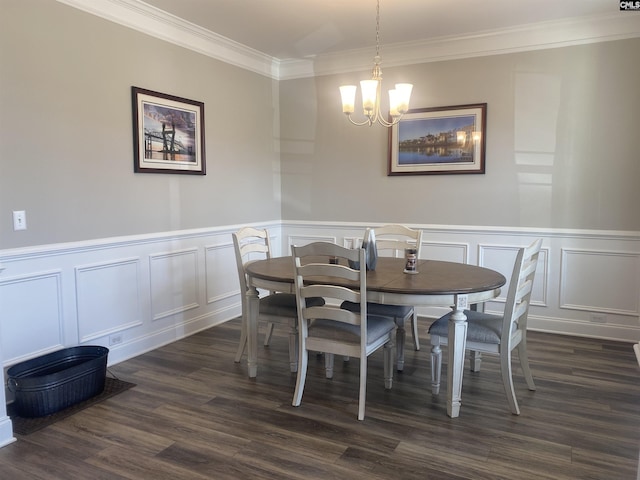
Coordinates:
[433,278]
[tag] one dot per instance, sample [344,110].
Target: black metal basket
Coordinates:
[57,380]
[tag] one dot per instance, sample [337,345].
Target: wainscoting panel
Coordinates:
[103,311]
[302,240]
[588,274]
[31,309]
[445,251]
[221,273]
[174,282]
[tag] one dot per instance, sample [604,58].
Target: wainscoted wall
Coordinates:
[587,284]
[134,294]
[131,294]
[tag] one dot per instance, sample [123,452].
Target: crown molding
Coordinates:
[144,18]
[540,36]
[157,23]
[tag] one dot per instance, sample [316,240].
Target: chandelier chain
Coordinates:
[378,29]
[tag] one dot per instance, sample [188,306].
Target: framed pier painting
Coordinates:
[168,133]
[441,140]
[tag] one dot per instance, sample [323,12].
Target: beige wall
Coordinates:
[66,154]
[562,144]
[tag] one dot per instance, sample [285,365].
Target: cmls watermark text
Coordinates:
[627,5]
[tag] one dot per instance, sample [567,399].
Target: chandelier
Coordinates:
[371,93]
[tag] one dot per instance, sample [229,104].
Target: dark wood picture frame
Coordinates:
[168,133]
[439,140]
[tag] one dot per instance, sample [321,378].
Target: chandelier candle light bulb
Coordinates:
[403,95]
[348,94]
[369,95]
[394,104]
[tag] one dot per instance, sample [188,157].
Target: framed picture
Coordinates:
[441,140]
[168,133]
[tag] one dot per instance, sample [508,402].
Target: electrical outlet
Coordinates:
[115,339]
[598,318]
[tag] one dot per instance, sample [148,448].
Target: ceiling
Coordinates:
[303,29]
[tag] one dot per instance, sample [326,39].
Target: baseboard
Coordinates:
[6,432]
[169,335]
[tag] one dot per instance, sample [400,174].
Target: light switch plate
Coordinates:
[19,220]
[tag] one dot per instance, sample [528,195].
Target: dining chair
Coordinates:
[496,334]
[392,240]
[331,329]
[275,308]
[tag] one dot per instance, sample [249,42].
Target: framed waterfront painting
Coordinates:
[168,133]
[441,140]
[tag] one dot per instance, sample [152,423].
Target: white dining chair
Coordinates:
[331,329]
[392,240]
[496,334]
[275,308]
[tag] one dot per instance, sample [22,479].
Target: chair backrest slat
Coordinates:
[520,310]
[326,269]
[523,291]
[391,240]
[249,248]
[516,308]
[329,312]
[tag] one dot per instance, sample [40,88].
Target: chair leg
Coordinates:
[507,381]
[328,364]
[242,346]
[293,346]
[363,387]
[524,362]
[414,328]
[388,365]
[436,367]
[303,359]
[267,336]
[475,358]
[400,340]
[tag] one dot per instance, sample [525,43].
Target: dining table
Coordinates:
[434,283]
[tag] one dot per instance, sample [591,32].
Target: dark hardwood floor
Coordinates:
[195,414]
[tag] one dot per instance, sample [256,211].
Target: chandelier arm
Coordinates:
[389,124]
[360,124]
[384,123]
